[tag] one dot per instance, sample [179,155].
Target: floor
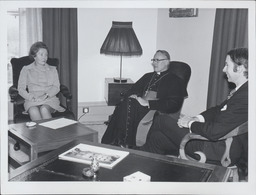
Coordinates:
[99,127]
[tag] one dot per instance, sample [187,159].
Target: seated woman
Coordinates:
[38,84]
[159,90]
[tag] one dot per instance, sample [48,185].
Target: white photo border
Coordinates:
[118,187]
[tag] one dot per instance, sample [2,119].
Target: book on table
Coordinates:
[83,153]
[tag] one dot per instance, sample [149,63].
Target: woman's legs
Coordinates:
[34,113]
[46,111]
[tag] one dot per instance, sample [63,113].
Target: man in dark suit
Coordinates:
[166,134]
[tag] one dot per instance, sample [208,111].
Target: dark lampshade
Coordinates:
[122,41]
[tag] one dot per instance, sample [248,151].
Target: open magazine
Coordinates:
[83,153]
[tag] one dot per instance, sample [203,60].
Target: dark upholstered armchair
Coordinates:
[18,101]
[225,161]
[183,71]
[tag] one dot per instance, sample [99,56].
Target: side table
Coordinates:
[39,139]
[114,89]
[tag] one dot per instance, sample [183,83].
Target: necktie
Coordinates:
[231,93]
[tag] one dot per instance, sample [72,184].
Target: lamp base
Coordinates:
[120,80]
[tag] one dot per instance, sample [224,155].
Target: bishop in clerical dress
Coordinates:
[162,90]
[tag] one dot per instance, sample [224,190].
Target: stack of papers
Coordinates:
[58,123]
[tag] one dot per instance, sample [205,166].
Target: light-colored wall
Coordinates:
[93,67]
[187,39]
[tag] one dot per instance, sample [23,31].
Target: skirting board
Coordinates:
[98,112]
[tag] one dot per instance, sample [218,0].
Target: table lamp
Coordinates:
[121,41]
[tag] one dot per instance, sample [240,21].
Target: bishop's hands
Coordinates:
[184,120]
[141,100]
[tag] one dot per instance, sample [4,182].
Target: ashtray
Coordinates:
[30,124]
[88,172]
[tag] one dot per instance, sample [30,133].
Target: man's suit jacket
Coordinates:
[222,119]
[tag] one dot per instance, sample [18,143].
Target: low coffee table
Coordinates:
[161,168]
[41,139]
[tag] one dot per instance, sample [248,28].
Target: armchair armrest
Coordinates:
[241,129]
[14,95]
[228,138]
[65,92]
[13,92]
[185,140]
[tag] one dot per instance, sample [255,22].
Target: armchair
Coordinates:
[183,71]
[228,138]
[18,101]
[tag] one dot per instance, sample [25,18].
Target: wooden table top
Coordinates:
[43,136]
[159,167]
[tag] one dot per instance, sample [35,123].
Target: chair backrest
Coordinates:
[181,69]
[18,63]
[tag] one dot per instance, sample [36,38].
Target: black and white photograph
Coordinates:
[128,97]
[85,154]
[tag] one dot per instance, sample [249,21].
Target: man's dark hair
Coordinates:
[240,57]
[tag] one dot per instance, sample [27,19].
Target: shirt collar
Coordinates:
[237,87]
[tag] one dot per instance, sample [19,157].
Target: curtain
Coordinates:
[230,31]
[30,28]
[60,35]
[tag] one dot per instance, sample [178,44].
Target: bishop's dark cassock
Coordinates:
[170,92]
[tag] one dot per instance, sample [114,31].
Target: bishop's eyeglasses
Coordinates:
[157,60]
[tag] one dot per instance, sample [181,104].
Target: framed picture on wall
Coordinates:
[183,12]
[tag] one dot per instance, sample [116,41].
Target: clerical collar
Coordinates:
[162,73]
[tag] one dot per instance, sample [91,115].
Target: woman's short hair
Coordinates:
[35,48]
[240,57]
[165,53]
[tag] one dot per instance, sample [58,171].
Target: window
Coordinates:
[12,39]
